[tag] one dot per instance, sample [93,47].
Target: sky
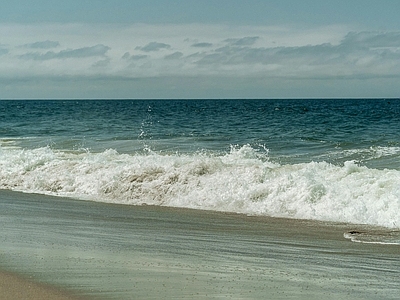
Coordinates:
[188,49]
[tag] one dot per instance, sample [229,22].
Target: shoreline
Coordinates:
[15,286]
[109,251]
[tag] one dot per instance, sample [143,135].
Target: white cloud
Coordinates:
[202,45]
[43,45]
[196,50]
[102,63]
[128,56]
[153,46]
[244,41]
[372,39]
[97,50]
[175,55]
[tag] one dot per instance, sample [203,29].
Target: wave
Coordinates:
[381,237]
[243,181]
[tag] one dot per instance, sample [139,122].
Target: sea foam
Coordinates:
[243,181]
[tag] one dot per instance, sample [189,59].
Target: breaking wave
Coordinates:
[243,181]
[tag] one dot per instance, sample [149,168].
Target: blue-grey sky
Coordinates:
[199,49]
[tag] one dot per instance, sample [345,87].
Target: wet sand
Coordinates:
[110,251]
[16,287]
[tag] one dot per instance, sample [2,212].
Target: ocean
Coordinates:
[328,160]
[191,198]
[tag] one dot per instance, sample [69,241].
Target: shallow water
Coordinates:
[124,252]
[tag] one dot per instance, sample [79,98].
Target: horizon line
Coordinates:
[241,98]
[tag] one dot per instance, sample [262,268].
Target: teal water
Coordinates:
[329,160]
[293,131]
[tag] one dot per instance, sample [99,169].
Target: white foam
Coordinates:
[380,238]
[242,181]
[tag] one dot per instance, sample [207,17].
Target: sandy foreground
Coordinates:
[65,249]
[14,287]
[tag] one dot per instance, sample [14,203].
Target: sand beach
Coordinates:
[71,248]
[16,287]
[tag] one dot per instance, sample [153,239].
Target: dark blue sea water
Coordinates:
[334,160]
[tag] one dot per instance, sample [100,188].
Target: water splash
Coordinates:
[242,181]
